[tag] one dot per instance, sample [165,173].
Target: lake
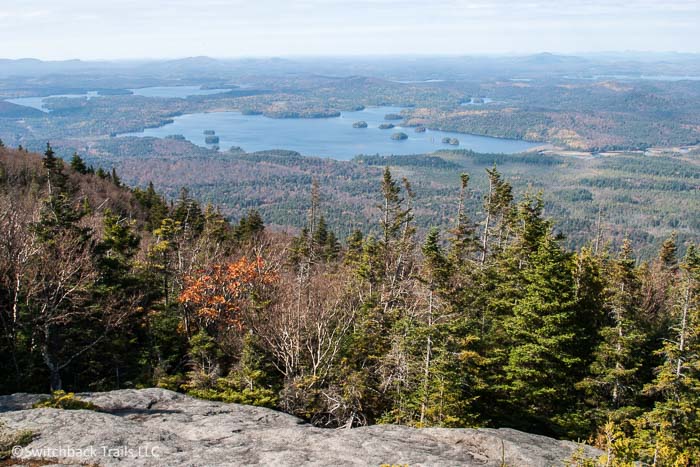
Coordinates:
[181,92]
[326,137]
[38,102]
[637,77]
[175,91]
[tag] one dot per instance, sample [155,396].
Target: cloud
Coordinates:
[137,28]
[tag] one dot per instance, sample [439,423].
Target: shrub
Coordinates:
[66,401]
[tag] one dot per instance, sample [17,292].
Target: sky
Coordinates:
[120,29]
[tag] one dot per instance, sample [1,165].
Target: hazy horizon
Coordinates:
[581,54]
[156,29]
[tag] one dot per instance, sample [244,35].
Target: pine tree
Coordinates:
[116,250]
[161,255]
[397,236]
[59,302]
[50,161]
[591,282]
[77,164]
[57,180]
[353,252]
[332,247]
[440,393]
[657,285]
[154,204]
[671,428]
[115,178]
[542,340]
[320,236]
[189,214]
[614,382]
[462,239]
[58,212]
[392,212]
[497,206]
[325,242]
[530,227]
[249,227]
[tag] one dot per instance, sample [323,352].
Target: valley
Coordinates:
[599,142]
[355,233]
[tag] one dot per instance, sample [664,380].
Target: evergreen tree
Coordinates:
[353,251]
[249,227]
[325,241]
[463,239]
[332,247]
[155,206]
[77,164]
[320,237]
[497,206]
[189,214]
[397,237]
[115,178]
[58,212]
[671,428]
[591,280]
[161,255]
[116,250]
[657,284]
[449,379]
[393,216]
[614,382]
[119,286]
[542,341]
[54,168]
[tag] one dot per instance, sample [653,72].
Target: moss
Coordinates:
[64,400]
[10,439]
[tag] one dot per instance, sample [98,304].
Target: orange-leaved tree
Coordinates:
[217,295]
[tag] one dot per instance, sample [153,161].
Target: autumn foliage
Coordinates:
[217,295]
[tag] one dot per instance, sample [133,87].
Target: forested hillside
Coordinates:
[491,322]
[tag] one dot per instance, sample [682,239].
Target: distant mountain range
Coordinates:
[453,67]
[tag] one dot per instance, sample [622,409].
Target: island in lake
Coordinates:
[393,117]
[360,124]
[399,136]
[420,129]
[452,141]
[386,126]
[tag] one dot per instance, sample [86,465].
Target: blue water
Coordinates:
[39,102]
[637,77]
[181,92]
[175,91]
[328,137]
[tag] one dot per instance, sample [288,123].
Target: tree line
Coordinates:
[488,323]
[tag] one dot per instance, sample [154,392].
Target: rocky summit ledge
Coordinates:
[155,427]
